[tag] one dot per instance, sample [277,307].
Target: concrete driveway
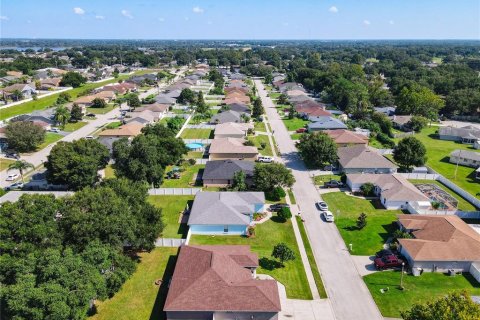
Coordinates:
[348,294]
[364,264]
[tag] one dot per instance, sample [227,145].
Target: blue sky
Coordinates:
[244,19]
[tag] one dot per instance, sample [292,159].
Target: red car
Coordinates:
[301,130]
[388,261]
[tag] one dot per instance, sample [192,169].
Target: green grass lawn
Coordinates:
[291,196]
[295,123]
[4,163]
[194,155]
[257,140]
[113,125]
[274,95]
[139,298]
[186,177]
[438,152]
[50,137]
[379,222]
[463,204]
[107,109]
[268,234]
[73,126]
[311,259]
[109,172]
[49,101]
[427,287]
[260,126]
[189,133]
[320,180]
[438,60]
[296,136]
[172,206]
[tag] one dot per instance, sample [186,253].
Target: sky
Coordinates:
[240,19]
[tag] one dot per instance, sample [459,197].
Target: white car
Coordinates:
[322,206]
[89,137]
[12,177]
[328,216]
[56,130]
[265,159]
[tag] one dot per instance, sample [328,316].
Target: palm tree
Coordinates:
[21,166]
[17,94]
[62,115]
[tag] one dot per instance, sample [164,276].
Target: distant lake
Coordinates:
[33,48]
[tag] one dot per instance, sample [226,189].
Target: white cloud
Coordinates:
[126,14]
[333,9]
[197,10]
[78,10]
[4,18]
[161,19]
[391,22]
[366,22]
[100,17]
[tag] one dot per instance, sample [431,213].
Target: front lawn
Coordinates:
[274,95]
[186,177]
[258,140]
[296,136]
[321,179]
[260,126]
[463,204]
[346,210]
[139,298]
[107,109]
[295,123]
[172,207]
[189,133]
[4,163]
[194,155]
[427,287]
[268,234]
[50,137]
[73,126]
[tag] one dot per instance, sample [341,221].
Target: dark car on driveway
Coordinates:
[333,184]
[384,252]
[388,261]
[278,206]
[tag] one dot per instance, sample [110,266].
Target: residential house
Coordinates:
[467,134]
[143,117]
[227,116]
[395,191]
[50,83]
[155,107]
[325,123]
[239,107]
[232,130]
[8,79]
[224,212]
[162,99]
[45,116]
[109,136]
[231,148]
[440,243]
[401,122]
[218,282]
[220,173]
[106,95]
[239,89]
[465,158]
[389,111]
[345,138]
[363,159]
[27,90]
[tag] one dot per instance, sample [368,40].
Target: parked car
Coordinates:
[278,206]
[328,216]
[12,155]
[14,186]
[388,261]
[89,137]
[322,206]
[384,252]
[56,130]
[12,177]
[301,130]
[265,159]
[333,184]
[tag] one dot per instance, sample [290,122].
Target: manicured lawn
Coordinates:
[172,206]
[296,136]
[463,204]
[4,163]
[311,259]
[295,123]
[139,298]
[194,155]
[257,140]
[427,287]
[113,125]
[269,234]
[107,109]
[109,172]
[274,95]
[379,222]
[320,180]
[197,134]
[186,177]
[260,126]
[50,137]
[291,196]
[438,152]
[73,126]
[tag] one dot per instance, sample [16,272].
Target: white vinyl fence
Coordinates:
[170,242]
[174,191]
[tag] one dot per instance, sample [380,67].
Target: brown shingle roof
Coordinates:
[215,278]
[440,238]
[231,145]
[128,130]
[362,156]
[342,136]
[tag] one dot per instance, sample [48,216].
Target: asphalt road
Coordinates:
[346,290]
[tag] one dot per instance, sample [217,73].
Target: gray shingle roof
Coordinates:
[325,122]
[362,157]
[225,169]
[226,116]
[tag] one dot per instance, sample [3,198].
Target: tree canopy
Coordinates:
[410,152]
[317,150]
[267,177]
[24,136]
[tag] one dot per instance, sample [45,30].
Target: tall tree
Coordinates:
[72,79]
[410,152]
[317,150]
[187,96]
[76,113]
[21,166]
[24,136]
[283,253]
[257,109]
[267,177]
[61,116]
[418,100]
[239,183]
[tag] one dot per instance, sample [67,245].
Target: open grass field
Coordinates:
[139,298]
[73,126]
[186,177]
[267,235]
[463,204]
[379,226]
[295,123]
[4,163]
[257,140]
[438,152]
[421,289]
[172,206]
[50,137]
[189,133]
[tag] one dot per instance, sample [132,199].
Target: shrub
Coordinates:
[284,214]
[399,234]
[275,194]
[249,143]
[251,231]
[192,162]
[385,140]
[368,189]
[263,145]
[361,221]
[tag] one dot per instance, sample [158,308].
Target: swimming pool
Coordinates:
[194,145]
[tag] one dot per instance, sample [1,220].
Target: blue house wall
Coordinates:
[218,229]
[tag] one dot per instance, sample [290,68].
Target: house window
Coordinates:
[225,229]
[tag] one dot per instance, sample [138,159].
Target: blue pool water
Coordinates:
[194,145]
